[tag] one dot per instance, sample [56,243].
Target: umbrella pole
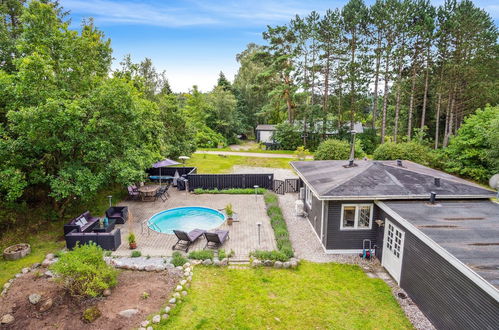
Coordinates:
[160,176]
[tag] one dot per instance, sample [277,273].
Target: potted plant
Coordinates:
[131,241]
[230,213]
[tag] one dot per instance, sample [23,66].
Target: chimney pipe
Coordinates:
[352,149]
[437,182]
[399,162]
[433,197]
[350,163]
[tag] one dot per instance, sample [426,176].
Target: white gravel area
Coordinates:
[279,173]
[307,246]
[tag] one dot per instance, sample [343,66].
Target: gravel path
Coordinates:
[248,154]
[307,246]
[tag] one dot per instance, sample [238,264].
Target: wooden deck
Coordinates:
[243,234]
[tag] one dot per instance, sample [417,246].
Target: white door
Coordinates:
[393,248]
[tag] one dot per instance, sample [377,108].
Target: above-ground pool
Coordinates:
[186,219]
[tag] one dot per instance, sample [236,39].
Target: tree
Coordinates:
[287,136]
[336,150]
[222,115]
[471,152]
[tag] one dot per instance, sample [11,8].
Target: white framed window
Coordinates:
[308,197]
[356,216]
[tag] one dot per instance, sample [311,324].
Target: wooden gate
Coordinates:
[279,187]
[292,185]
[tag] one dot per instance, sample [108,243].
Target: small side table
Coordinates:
[99,228]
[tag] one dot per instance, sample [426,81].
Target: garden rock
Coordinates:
[286,264]
[25,270]
[144,323]
[164,316]
[36,265]
[6,285]
[173,300]
[189,278]
[207,262]
[179,267]
[128,313]
[224,262]
[7,319]
[184,293]
[167,309]
[217,263]
[169,266]
[149,328]
[47,304]
[183,282]
[176,295]
[187,264]
[106,293]
[178,288]
[256,263]
[34,298]
[49,256]
[278,264]
[156,318]
[48,273]
[293,264]
[268,263]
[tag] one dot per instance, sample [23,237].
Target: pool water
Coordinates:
[186,219]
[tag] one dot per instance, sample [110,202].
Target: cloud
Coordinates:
[127,12]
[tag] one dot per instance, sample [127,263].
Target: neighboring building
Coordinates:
[264,134]
[443,253]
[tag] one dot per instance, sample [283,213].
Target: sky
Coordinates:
[193,40]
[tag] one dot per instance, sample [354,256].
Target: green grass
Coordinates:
[315,296]
[207,164]
[260,151]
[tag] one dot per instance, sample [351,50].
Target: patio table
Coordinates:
[100,228]
[148,191]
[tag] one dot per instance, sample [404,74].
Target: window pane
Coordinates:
[349,216]
[364,216]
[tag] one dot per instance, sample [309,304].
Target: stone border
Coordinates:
[291,263]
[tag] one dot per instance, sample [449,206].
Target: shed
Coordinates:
[264,133]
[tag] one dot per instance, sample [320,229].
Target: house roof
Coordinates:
[468,229]
[383,180]
[265,127]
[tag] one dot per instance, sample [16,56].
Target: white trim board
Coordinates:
[458,264]
[344,251]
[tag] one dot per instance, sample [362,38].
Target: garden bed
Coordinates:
[66,312]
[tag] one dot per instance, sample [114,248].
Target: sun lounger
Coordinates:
[186,239]
[216,239]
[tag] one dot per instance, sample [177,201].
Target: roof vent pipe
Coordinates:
[433,197]
[399,162]
[437,182]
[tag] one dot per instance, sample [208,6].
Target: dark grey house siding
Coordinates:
[315,214]
[444,294]
[347,239]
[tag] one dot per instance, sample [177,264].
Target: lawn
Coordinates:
[207,164]
[253,150]
[315,296]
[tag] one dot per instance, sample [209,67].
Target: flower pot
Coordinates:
[230,220]
[133,246]
[17,251]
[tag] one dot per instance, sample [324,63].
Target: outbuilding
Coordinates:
[264,134]
[436,234]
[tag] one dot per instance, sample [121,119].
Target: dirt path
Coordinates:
[248,154]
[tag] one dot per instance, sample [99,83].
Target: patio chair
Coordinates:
[162,193]
[118,213]
[133,193]
[216,239]
[186,239]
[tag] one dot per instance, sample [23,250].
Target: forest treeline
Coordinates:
[402,67]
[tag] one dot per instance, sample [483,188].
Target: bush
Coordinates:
[202,255]
[337,150]
[287,136]
[136,254]
[91,314]
[270,255]
[473,152]
[222,254]
[208,138]
[178,259]
[412,151]
[83,271]
[231,191]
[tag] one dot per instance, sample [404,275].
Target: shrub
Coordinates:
[222,254]
[178,259]
[270,255]
[136,254]
[270,198]
[202,255]
[91,314]
[337,150]
[301,153]
[412,151]
[231,191]
[473,152]
[287,136]
[83,271]
[208,138]
[131,238]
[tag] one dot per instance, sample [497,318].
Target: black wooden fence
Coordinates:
[170,171]
[227,181]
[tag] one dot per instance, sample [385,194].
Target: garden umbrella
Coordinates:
[163,163]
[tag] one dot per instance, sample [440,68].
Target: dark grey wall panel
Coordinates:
[444,294]
[315,214]
[347,239]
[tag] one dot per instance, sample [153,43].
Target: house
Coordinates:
[436,234]
[264,134]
